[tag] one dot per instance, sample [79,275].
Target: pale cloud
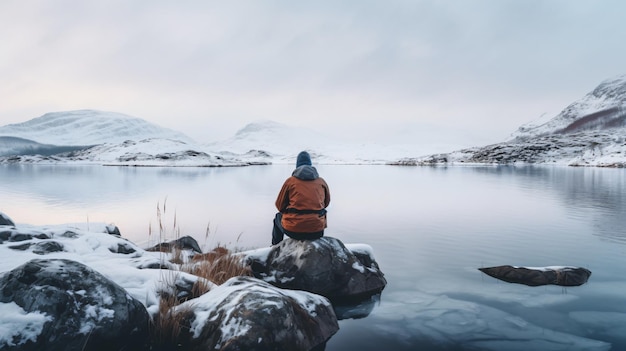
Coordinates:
[206,68]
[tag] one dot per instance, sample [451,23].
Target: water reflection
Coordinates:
[356,310]
[594,193]
[430,228]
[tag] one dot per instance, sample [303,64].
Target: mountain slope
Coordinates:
[601,109]
[588,132]
[266,140]
[19,146]
[147,152]
[273,137]
[88,127]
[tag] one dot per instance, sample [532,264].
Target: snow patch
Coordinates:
[17,326]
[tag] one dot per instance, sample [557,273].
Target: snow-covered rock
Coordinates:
[5,220]
[78,309]
[323,266]
[90,267]
[245,313]
[589,132]
[183,243]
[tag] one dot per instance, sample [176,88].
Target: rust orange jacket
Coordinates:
[305,190]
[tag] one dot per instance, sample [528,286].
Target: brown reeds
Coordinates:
[218,265]
[215,266]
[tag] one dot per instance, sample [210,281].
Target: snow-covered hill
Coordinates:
[97,137]
[280,143]
[588,132]
[88,127]
[147,152]
[602,109]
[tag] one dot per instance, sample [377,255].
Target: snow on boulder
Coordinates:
[323,266]
[72,307]
[5,220]
[536,276]
[245,313]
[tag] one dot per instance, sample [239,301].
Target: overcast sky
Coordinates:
[466,71]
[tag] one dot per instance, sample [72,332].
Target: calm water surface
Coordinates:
[430,228]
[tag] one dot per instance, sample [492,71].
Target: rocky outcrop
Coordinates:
[589,148]
[81,309]
[323,266]
[61,304]
[248,314]
[588,132]
[563,276]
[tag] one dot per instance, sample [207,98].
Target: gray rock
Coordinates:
[17,236]
[323,266]
[86,311]
[245,313]
[183,243]
[46,247]
[113,230]
[21,247]
[5,234]
[5,220]
[123,248]
[563,276]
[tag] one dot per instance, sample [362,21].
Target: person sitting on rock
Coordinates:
[301,203]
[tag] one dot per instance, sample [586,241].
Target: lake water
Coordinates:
[430,228]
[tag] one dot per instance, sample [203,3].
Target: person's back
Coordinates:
[302,203]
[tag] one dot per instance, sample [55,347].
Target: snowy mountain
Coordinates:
[268,140]
[589,132]
[88,127]
[271,137]
[97,137]
[603,108]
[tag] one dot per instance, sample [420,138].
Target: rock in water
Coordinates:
[563,276]
[323,266]
[246,313]
[84,309]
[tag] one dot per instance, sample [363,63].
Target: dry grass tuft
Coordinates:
[218,266]
[168,323]
[177,255]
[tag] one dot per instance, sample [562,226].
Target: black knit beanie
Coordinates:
[303,159]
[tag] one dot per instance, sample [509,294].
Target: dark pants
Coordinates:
[279,232]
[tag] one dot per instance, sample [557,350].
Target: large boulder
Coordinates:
[79,308]
[323,266]
[245,313]
[537,276]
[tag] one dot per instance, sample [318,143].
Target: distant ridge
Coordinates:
[18,146]
[273,137]
[589,132]
[601,109]
[88,127]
